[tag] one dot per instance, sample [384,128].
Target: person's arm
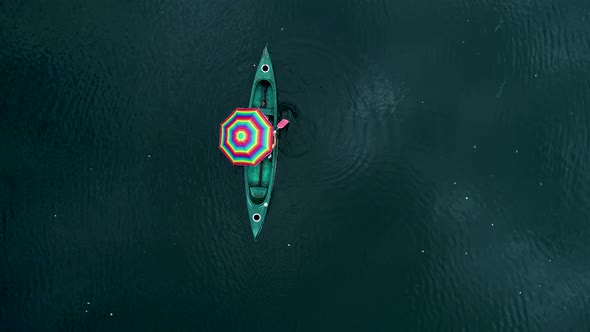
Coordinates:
[274,139]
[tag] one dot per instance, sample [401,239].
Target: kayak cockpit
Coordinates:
[264,97]
[258,192]
[259,178]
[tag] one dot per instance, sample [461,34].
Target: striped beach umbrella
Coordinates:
[245,137]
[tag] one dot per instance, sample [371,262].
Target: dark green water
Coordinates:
[435,175]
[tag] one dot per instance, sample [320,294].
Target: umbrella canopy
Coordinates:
[245,137]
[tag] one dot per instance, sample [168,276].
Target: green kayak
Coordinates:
[260,178]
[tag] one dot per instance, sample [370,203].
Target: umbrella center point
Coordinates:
[241,136]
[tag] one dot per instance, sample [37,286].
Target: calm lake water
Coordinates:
[435,175]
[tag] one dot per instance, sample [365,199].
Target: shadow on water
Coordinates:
[298,137]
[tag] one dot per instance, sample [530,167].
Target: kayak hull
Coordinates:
[260,179]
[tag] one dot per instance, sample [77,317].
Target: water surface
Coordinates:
[434,176]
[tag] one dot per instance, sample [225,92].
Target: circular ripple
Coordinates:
[343,105]
[359,137]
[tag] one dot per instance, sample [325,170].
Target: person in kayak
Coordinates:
[274,138]
[274,143]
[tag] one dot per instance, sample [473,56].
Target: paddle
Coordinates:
[282,123]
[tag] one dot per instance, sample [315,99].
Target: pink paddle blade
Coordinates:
[282,123]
